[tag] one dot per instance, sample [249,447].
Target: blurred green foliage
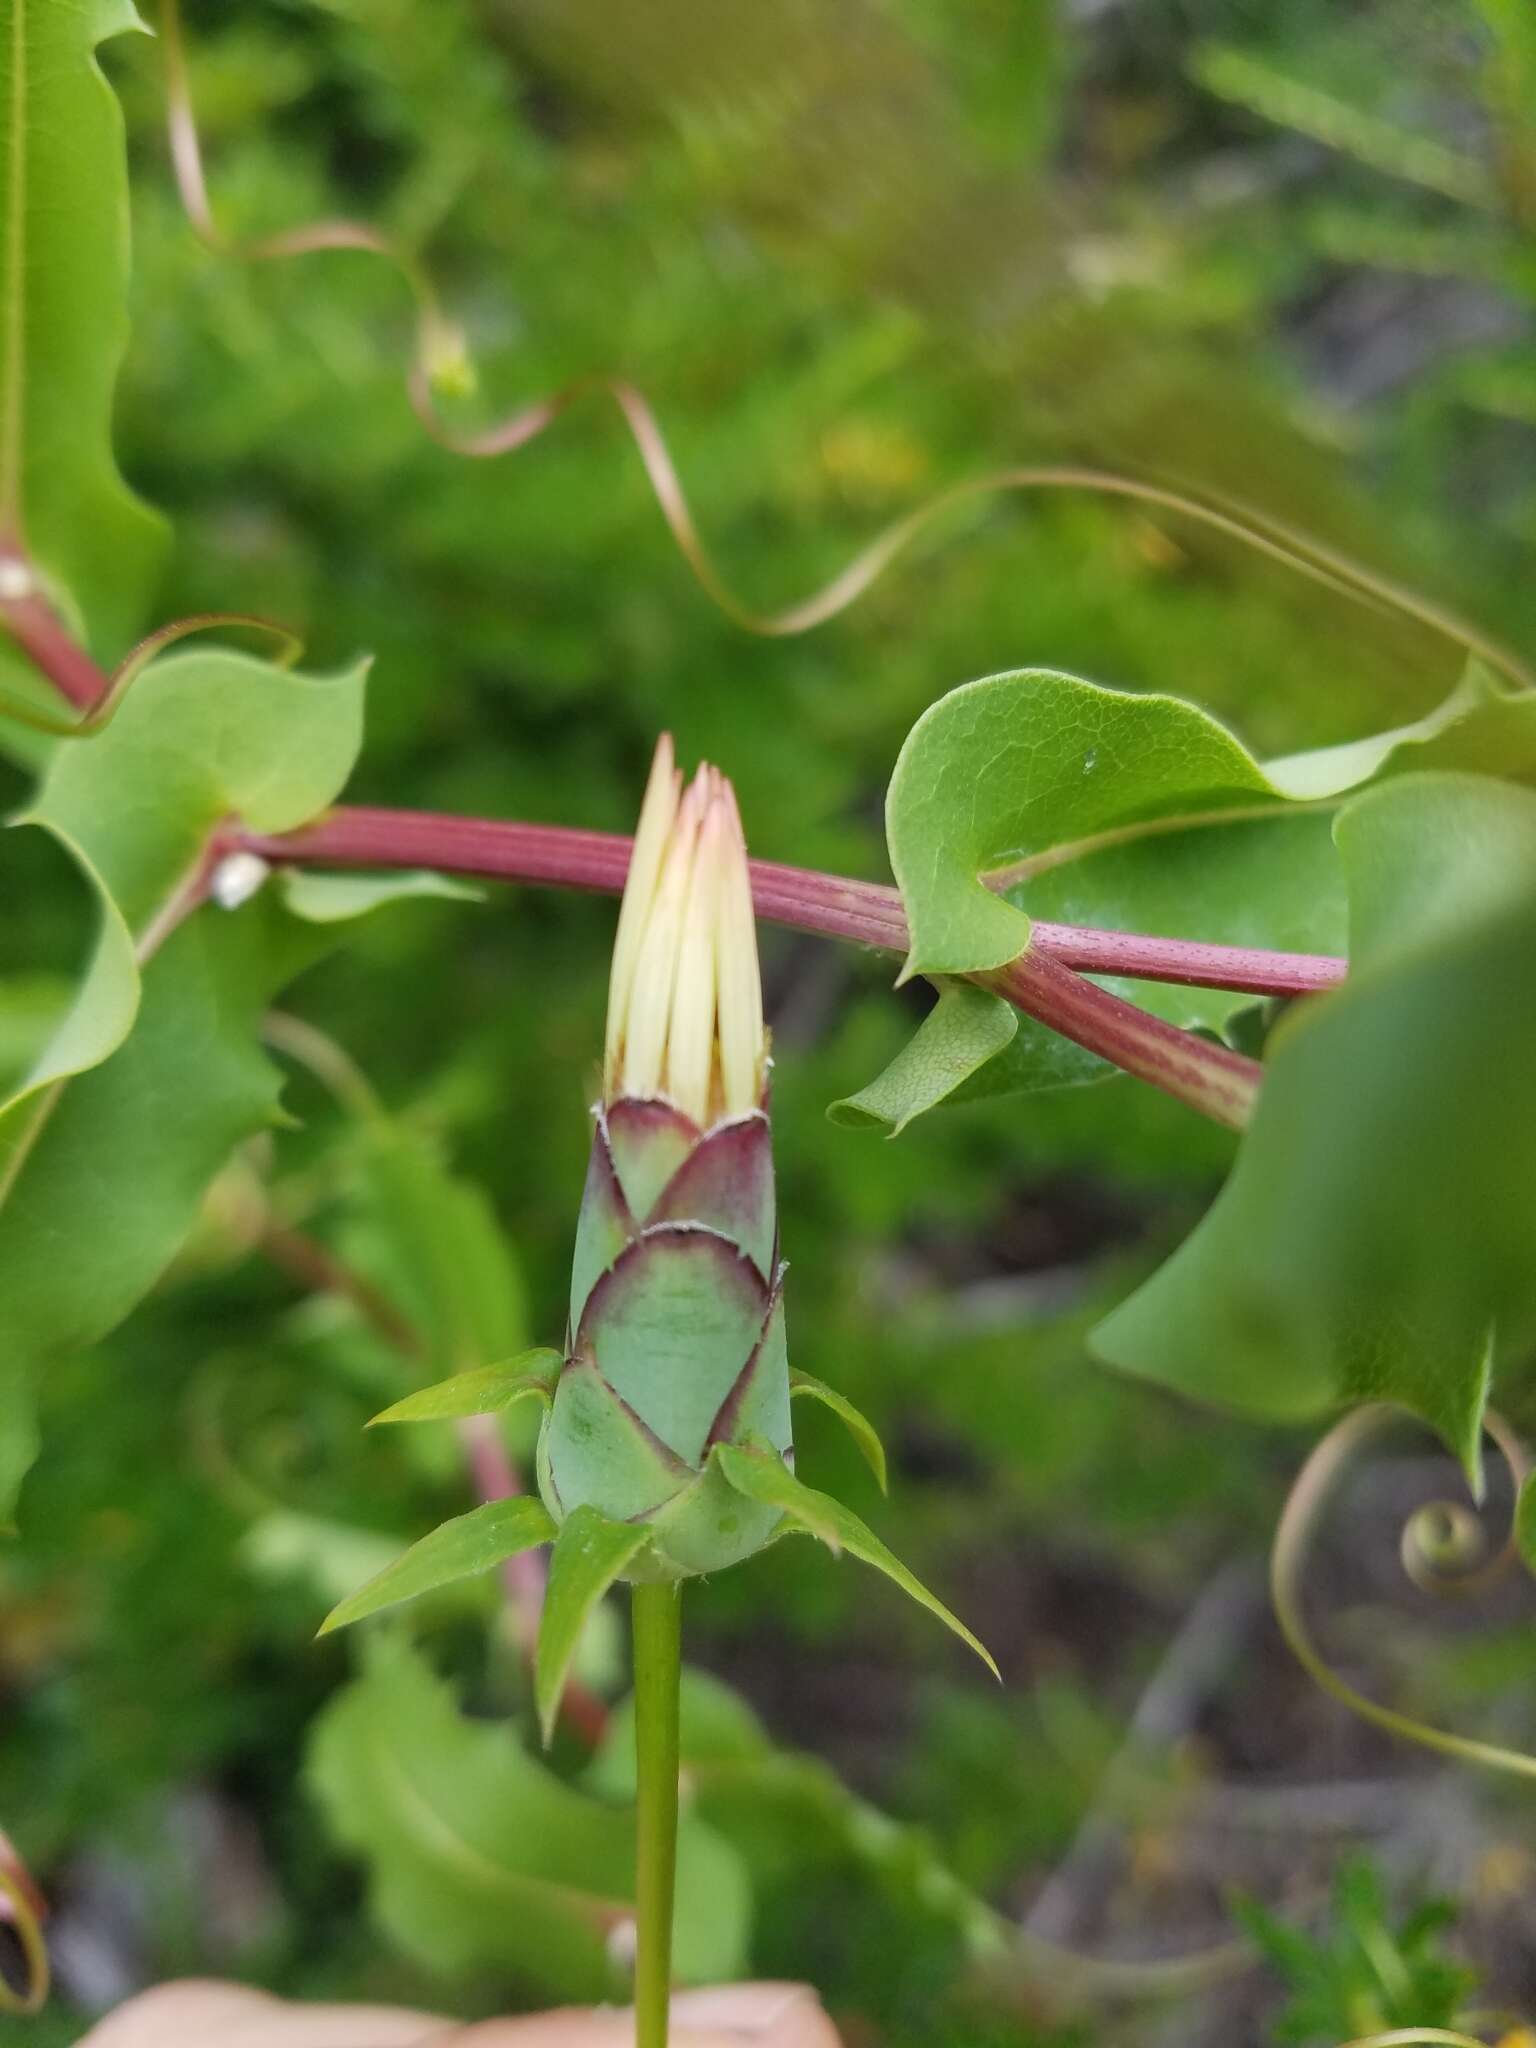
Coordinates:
[1366,1975]
[852,253]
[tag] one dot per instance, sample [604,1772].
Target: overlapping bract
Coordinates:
[677,1335]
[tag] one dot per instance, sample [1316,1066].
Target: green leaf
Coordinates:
[763,1476]
[1251,81]
[487,1390]
[481,1860]
[212,734]
[859,1427]
[1485,727]
[1039,795]
[966,1027]
[64,322]
[1031,766]
[460,1549]
[431,1242]
[1381,1219]
[1525,1523]
[154,1073]
[104,1176]
[590,1553]
[333,899]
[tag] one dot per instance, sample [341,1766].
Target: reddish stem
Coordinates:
[40,633]
[1219,1083]
[1211,1078]
[867,912]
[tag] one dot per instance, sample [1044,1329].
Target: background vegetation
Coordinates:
[852,253]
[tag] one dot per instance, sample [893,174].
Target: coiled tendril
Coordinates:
[1444,1551]
[440,364]
[25,1918]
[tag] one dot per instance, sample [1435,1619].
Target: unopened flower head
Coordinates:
[685,1003]
[676,1344]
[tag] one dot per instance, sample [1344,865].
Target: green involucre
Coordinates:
[677,1338]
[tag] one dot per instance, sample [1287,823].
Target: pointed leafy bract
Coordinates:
[1381,1220]
[590,1553]
[604,1226]
[486,1390]
[726,1185]
[670,1325]
[64,323]
[649,1141]
[859,1427]
[460,1549]
[762,1475]
[609,1459]
[481,1860]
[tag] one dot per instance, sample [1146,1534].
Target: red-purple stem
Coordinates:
[1044,983]
[1211,1078]
[40,633]
[869,913]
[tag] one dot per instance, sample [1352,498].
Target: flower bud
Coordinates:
[676,1336]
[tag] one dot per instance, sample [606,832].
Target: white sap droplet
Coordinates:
[237,878]
[16,579]
[1090,760]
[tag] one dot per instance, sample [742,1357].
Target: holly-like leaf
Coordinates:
[967,1027]
[480,1859]
[762,1475]
[461,1549]
[1380,1226]
[487,1390]
[590,1553]
[154,1074]
[1039,795]
[1037,766]
[64,323]
[858,1426]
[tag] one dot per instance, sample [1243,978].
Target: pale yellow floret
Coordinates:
[685,1018]
[738,982]
[691,1033]
[663,792]
[650,997]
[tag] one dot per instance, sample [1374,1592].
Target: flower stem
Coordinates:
[658,1670]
